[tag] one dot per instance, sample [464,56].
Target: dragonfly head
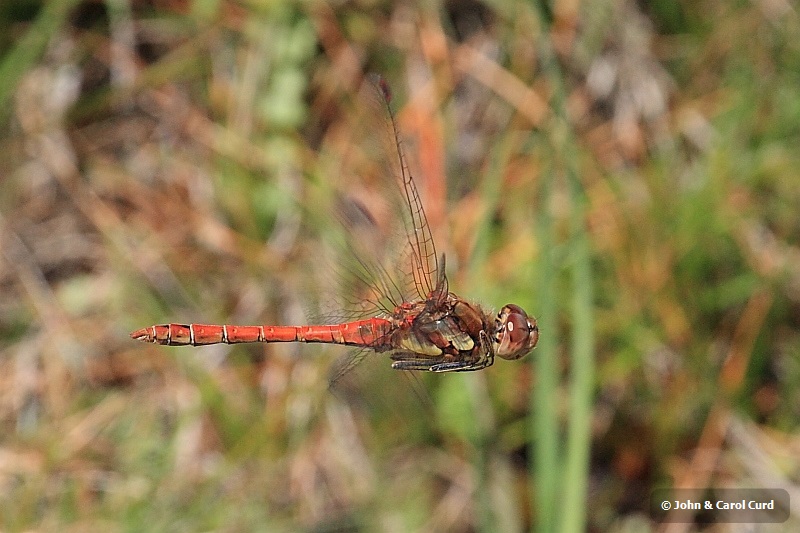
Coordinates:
[515,332]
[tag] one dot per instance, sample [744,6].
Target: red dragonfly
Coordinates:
[424,326]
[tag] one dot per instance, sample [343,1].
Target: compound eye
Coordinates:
[517,328]
[517,333]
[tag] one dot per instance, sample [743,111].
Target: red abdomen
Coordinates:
[372,332]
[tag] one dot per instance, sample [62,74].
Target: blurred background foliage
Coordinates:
[626,171]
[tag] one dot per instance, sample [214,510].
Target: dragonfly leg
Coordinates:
[413,364]
[485,359]
[450,366]
[479,358]
[461,366]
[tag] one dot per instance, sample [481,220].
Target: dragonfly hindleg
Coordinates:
[461,366]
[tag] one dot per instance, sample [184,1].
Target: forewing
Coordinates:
[420,250]
[389,256]
[380,253]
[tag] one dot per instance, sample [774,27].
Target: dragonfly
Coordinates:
[416,320]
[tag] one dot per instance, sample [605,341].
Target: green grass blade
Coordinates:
[564,494]
[544,440]
[576,470]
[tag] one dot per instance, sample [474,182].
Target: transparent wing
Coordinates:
[420,251]
[386,253]
[381,252]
